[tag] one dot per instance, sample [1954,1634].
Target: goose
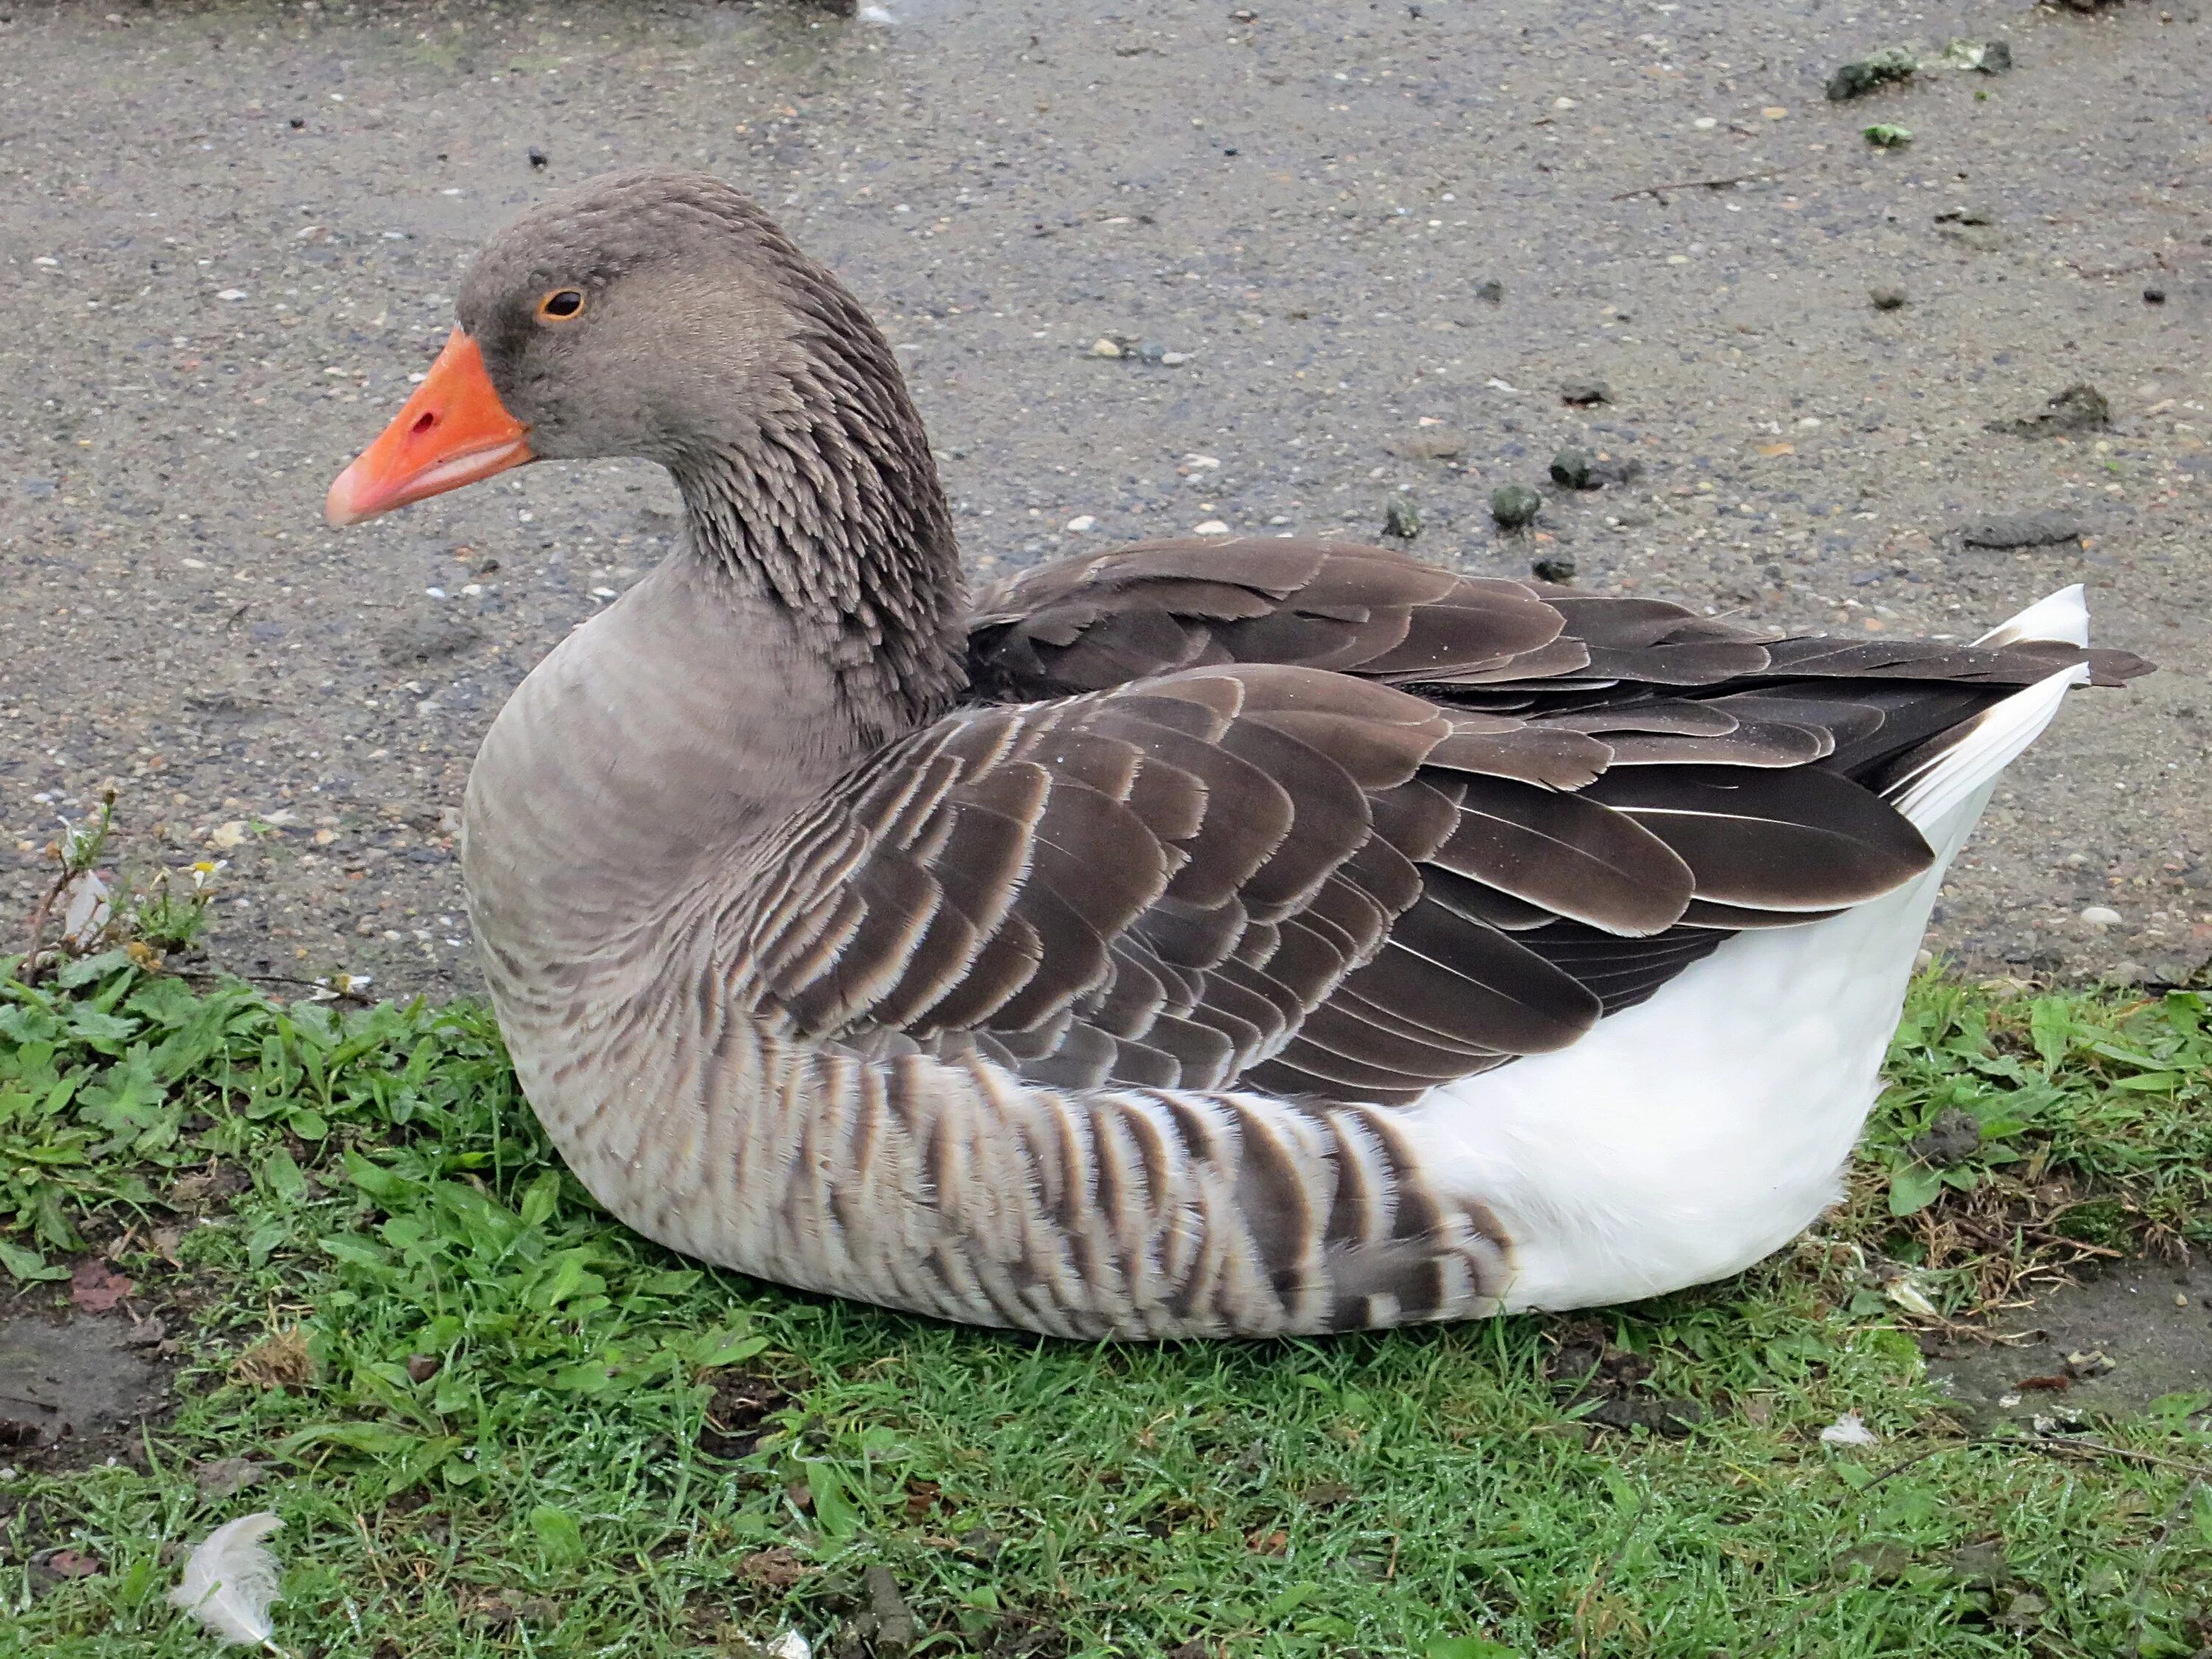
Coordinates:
[1233,937]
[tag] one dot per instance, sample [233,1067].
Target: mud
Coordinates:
[2113,1342]
[231,234]
[67,1387]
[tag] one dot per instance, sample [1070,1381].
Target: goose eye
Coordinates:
[561,304]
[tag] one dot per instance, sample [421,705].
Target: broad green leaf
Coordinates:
[373,1439]
[27,1265]
[835,1512]
[1913,1187]
[384,1186]
[283,1176]
[1290,1601]
[2050,1028]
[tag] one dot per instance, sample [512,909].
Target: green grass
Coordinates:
[548,1490]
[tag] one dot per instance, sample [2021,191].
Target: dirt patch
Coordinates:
[740,1413]
[2115,1342]
[70,1389]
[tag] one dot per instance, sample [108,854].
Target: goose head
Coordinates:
[661,315]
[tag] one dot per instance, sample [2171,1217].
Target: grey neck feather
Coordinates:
[829,508]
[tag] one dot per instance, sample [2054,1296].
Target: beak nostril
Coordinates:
[423,423]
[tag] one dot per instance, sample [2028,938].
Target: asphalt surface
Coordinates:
[232,233]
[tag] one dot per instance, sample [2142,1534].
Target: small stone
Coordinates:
[1490,289]
[1863,76]
[1401,518]
[1571,469]
[537,157]
[1210,527]
[422,1367]
[1103,346]
[1996,58]
[1150,351]
[1081,522]
[2154,296]
[1552,568]
[2100,915]
[1174,359]
[1515,505]
[1887,298]
[1583,393]
[1430,443]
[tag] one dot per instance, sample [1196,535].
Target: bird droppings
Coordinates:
[1515,505]
[1864,75]
[2015,529]
[2080,407]
[1401,519]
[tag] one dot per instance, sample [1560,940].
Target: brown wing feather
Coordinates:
[1315,818]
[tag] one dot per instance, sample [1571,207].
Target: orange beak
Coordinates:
[453,431]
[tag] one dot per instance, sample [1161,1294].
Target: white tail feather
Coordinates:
[230,1581]
[2063,616]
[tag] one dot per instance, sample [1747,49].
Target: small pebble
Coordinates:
[1552,568]
[1887,298]
[1210,527]
[1103,347]
[1082,521]
[537,157]
[2155,296]
[1582,393]
[2101,916]
[1490,289]
[1515,505]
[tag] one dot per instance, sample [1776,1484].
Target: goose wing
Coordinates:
[1463,822]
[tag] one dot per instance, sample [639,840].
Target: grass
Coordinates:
[495,1423]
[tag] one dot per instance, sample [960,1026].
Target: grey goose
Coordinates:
[1220,938]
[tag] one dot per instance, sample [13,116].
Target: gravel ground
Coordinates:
[233,232]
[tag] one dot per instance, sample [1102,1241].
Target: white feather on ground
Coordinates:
[230,1581]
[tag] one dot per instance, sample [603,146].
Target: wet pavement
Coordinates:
[1349,254]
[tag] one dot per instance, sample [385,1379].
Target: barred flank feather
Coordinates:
[230,1581]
